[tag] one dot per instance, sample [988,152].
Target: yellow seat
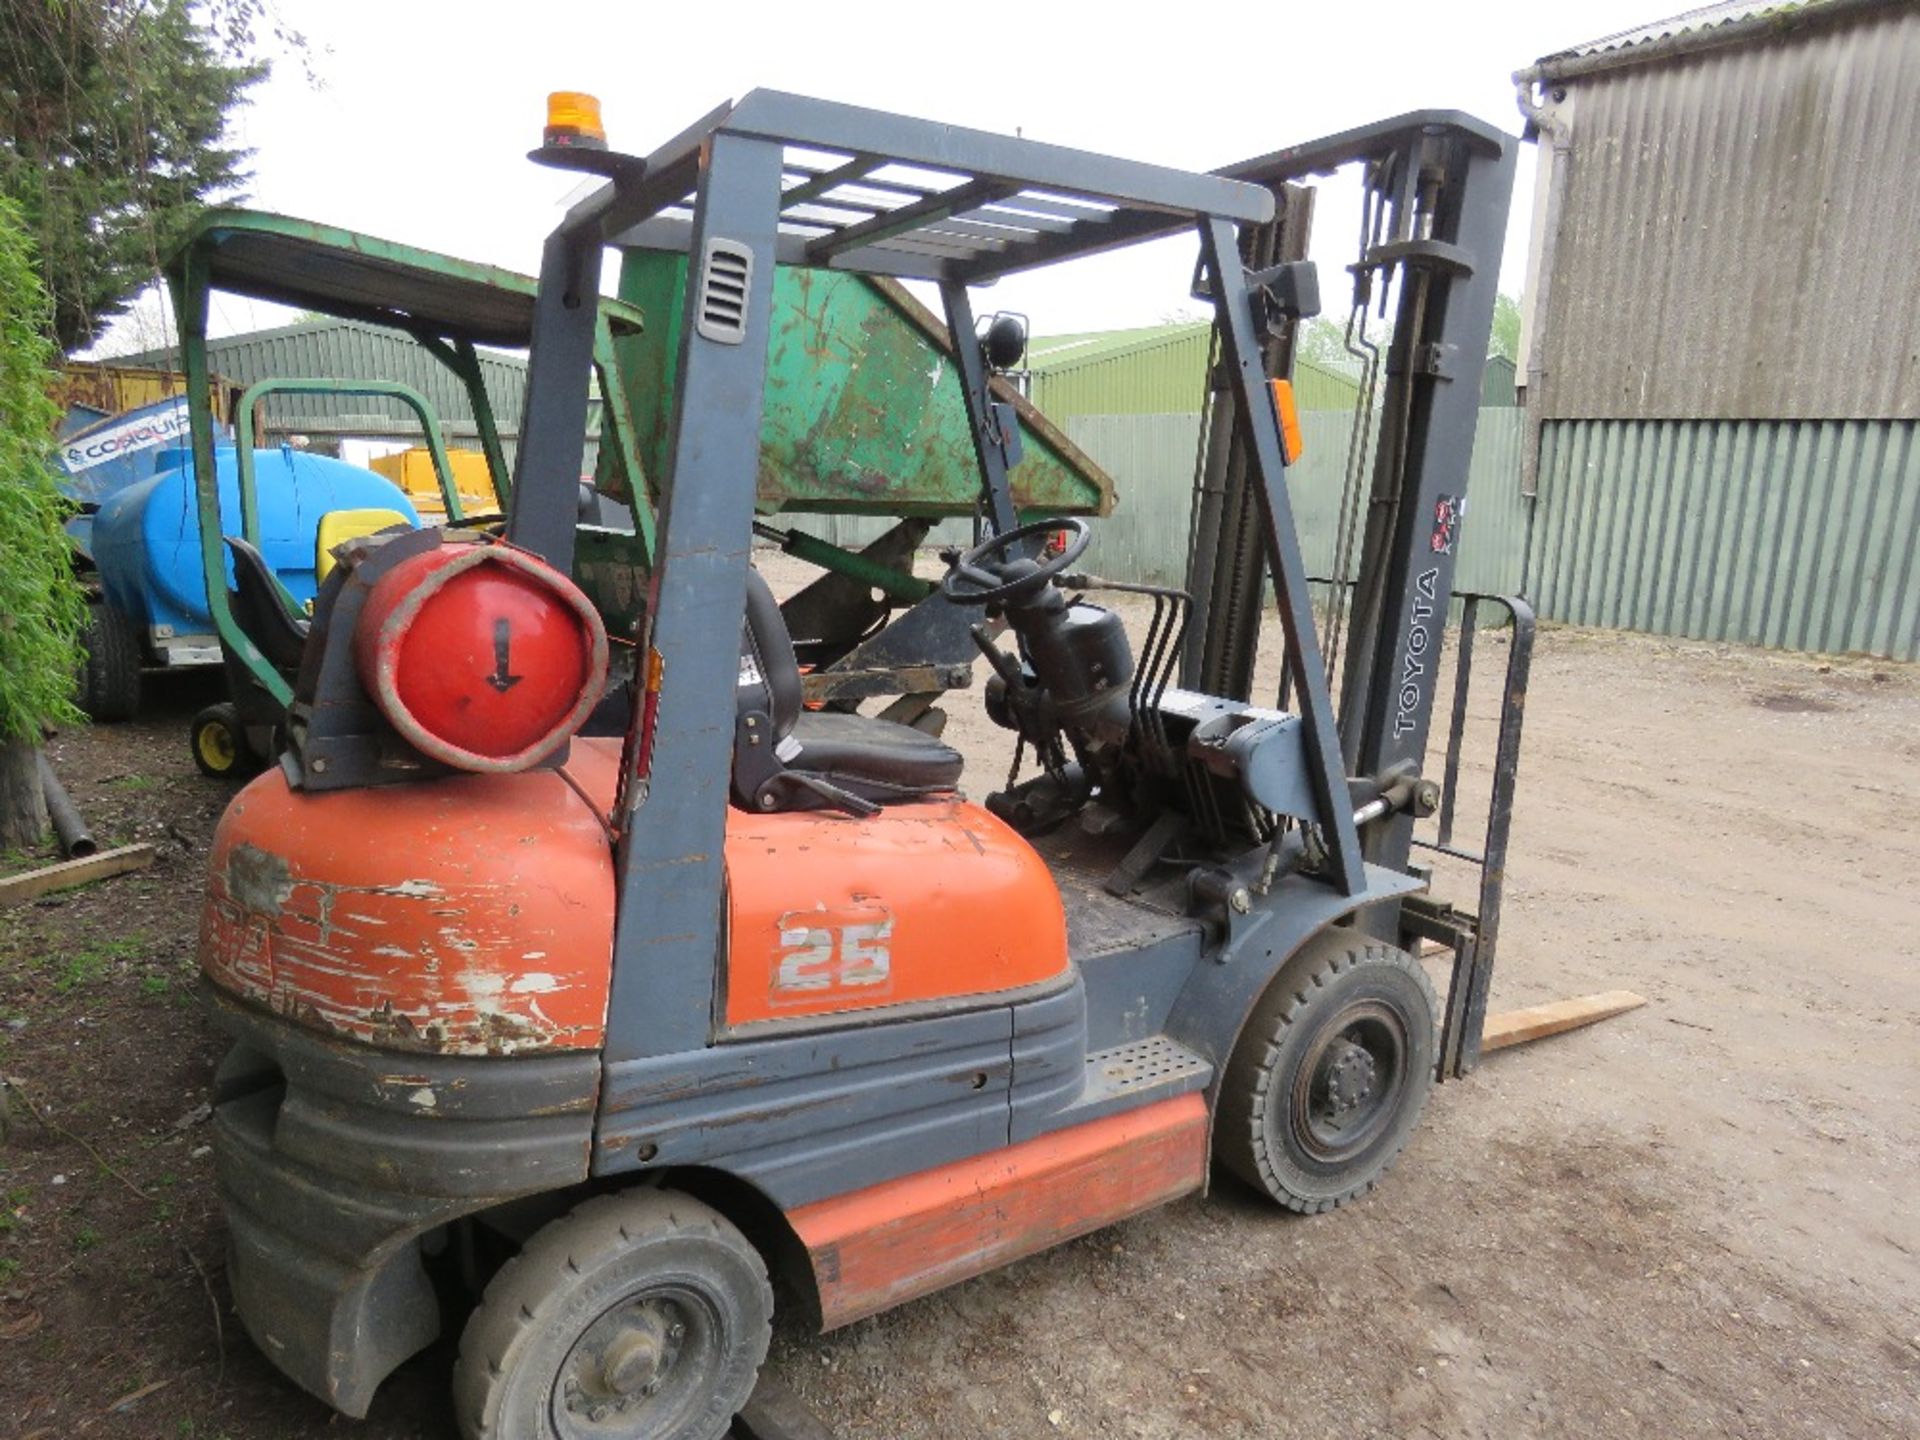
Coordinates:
[339,526]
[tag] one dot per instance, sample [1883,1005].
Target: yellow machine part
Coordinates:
[412,471]
[339,526]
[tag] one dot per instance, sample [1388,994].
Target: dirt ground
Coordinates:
[1698,1219]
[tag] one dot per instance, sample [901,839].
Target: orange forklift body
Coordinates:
[473,915]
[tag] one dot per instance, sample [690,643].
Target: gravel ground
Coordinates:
[1697,1219]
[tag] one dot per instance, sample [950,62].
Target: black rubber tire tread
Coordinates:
[109,674]
[522,1297]
[1293,1001]
[222,713]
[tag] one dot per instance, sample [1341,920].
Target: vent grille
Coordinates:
[725,279]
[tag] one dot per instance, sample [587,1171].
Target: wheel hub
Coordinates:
[1347,1087]
[216,746]
[632,1362]
[1351,1073]
[623,1361]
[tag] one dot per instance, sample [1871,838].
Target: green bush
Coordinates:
[42,609]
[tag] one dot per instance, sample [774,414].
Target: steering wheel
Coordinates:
[993,572]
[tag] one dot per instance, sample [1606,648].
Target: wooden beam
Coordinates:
[776,1413]
[19,889]
[1536,1022]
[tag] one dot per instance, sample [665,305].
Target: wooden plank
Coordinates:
[1536,1022]
[19,889]
[776,1413]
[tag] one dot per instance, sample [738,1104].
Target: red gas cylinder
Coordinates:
[480,655]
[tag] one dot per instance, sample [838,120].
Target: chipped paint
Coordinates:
[258,879]
[303,917]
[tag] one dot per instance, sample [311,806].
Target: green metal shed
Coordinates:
[1155,370]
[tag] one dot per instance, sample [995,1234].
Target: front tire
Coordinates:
[1330,1075]
[643,1315]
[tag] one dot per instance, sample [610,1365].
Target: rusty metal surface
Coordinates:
[1736,236]
[863,411]
[114,387]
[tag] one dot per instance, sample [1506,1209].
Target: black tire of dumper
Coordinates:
[219,743]
[1258,1125]
[109,678]
[609,1253]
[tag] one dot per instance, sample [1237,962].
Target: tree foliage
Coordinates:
[1323,339]
[1506,328]
[41,605]
[113,134]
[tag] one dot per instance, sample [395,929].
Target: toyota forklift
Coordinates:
[594,1038]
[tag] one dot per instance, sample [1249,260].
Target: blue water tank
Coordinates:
[100,455]
[146,537]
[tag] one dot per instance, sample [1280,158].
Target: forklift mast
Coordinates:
[1437,186]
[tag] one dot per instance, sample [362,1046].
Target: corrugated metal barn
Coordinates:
[351,350]
[1722,344]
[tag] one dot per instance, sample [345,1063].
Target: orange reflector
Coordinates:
[573,118]
[1292,444]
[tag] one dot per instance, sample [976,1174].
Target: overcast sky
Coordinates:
[424,109]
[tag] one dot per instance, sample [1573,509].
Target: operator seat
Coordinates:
[783,753]
[262,610]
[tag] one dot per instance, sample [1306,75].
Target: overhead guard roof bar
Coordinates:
[985,205]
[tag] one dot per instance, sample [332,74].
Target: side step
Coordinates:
[1137,1073]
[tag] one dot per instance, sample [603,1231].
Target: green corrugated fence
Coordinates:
[1801,535]
[1797,535]
[1151,459]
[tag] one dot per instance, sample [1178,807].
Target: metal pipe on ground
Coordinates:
[76,841]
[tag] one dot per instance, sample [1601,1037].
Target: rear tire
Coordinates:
[1330,1075]
[109,678]
[219,743]
[643,1315]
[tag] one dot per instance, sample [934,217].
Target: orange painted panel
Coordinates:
[878,1247]
[474,914]
[469,915]
[921,902]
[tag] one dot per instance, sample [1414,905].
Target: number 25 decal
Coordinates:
[833,950]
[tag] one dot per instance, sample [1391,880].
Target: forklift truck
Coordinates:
[616,1032]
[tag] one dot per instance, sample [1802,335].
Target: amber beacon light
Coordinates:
[480,655]
[573,122]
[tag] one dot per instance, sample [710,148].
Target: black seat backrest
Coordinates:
[769,673]
[262,611]
[787,759]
